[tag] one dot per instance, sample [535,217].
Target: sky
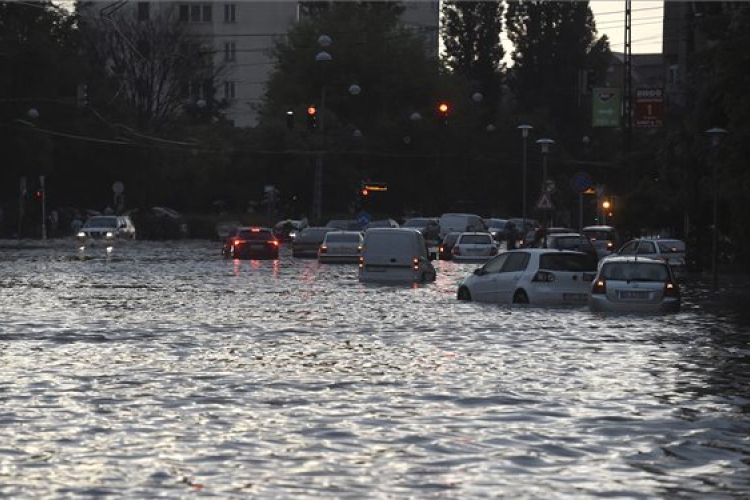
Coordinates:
[646,23]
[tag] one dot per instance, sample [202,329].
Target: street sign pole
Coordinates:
[44,208]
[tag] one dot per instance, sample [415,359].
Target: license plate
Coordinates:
[628,294]
[575,297]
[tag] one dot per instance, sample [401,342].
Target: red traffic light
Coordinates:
[311,111]
[444,108]
[38,194]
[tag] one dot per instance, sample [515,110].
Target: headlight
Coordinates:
[81,234]
[110,234]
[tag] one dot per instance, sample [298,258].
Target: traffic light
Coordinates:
[82,95]
[39,193]
[444,110]
[312,118]
[290,119]
[364,192]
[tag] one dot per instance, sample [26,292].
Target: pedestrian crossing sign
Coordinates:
[545,202]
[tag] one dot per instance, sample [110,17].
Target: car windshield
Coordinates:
[573,262]
[671,246]
[635,271]
[570,242]
[496,224]
[475,239]
[316,234]
[342,238]
[101,222]
[258,235]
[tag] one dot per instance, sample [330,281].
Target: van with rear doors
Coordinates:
[395,255]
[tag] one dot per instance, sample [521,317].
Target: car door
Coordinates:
[510,274]
[485,286]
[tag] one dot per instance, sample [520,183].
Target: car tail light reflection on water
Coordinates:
[600,286]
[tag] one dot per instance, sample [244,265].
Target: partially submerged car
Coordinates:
[107,228]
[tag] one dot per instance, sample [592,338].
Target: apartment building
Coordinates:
[243,32]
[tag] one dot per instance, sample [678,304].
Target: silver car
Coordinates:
[633,284]
[107,227]
[341,246]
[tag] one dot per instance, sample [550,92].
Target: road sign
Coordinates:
[581,182]
[118,187]
[649,108]
[545,202]
[363,218]
[606,107]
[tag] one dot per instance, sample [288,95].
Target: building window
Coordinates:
[143,11]
[229,13]
[228,90]
[195,13]
[230,51]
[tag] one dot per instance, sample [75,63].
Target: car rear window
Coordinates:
[572,262]
[476,239]
[451,238]
[635,271]
[255,235]
[600,235]
[342,238]
[313,234]
[671,246]
[570,243]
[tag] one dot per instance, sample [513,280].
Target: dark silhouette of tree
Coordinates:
[553,43]
[472,38]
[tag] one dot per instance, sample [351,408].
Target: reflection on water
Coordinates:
[163,370]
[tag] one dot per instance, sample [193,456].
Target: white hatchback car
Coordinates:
[473,247]
[341,246]
[632,284]
[536,276]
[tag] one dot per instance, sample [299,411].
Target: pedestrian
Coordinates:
[512,236]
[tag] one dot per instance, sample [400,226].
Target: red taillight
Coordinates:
[610,245]
[361,262]
[442,249]
[255,230]
[600,286]
[323,249]
[544,276]
[236,242]
[415,261]
[274,243]
[671,289]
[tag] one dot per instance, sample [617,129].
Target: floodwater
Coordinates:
[161,370]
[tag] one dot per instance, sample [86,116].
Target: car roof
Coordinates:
[632,259]
[566,235]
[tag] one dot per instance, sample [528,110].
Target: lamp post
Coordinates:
[545,144]
[525,135]
[317,208]
[716,135]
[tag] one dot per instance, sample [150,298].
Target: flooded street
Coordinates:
[162,370]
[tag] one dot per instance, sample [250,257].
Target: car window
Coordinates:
[255,235]
[517,261]
[635,271]
[496,263]
[342,237]
[570,242]
[572,262]
[671,246]
[451,238]
[475,239]
[629,248]
[600,235]
[646,247]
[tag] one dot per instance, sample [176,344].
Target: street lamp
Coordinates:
[545,144]
[716,135]
[525,135]
[317,209]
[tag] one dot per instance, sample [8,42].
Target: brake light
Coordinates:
[323,249]
[255,230]
[610,245]
[359,248]
[361,262]
[236,241]
[671,289]
[544,276]
[442,249]
[274,243]
[415,262]
[600,286]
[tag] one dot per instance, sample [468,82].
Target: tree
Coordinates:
[471,35]
[157,69]
[553,43]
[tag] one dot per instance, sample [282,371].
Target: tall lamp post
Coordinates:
[545,143]
[716,135]
[317,209]
[525,135]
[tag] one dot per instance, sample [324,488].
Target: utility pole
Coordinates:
[627,84]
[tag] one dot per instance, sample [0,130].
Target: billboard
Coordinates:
[649,108]
[606,107]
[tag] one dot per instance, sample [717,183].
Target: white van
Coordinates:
[392,254]
[461,223]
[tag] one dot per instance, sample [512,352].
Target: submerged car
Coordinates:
[307,242]
[341,246]
[252,243]
[669,250]
[107,227]
[604,239]
[632,284]
[445,250]
[473,247]
[532,276]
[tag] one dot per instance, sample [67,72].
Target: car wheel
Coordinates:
[520,297]
[464,294]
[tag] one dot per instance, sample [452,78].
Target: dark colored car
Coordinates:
[252,243]
[571,241]
[445,250]
[307,243]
